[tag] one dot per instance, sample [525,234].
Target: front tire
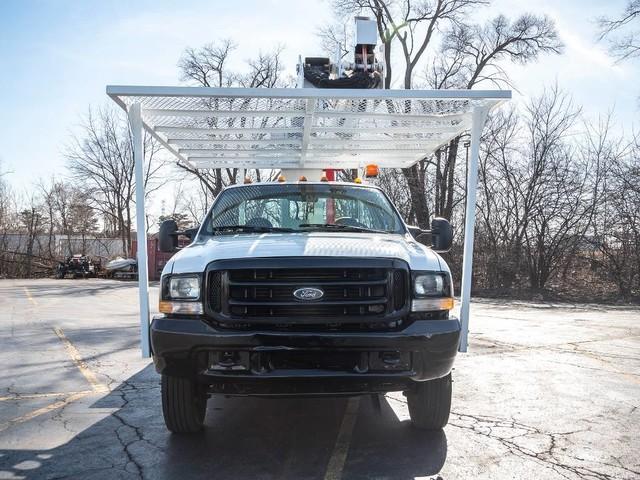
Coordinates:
[430,403]
[184,404]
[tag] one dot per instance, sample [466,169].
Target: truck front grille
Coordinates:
[261,291]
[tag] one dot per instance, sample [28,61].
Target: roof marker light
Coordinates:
[324,178]
[247,180]
[302,179]
[282,179]
[371,171]
[357,180]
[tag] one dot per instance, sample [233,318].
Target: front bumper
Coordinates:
[265,362]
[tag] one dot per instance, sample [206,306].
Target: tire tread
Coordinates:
[183,407]
[430,403]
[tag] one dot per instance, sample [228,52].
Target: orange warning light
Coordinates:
[282,178]
[371,171]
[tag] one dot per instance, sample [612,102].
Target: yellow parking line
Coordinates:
[43,410]
[29,396]
[73,352]
[341,448]
[29,296]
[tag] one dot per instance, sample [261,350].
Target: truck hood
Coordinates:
[199,254]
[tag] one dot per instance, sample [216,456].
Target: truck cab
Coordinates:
[305,288]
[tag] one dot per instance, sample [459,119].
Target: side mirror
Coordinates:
[441,234]
[168,236]
[439,238]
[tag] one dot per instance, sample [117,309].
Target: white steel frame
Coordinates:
[303,128]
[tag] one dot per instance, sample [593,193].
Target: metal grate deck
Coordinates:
[303,128]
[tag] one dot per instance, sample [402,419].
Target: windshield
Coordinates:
[302,207]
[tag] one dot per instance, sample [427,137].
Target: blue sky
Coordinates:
[57,56]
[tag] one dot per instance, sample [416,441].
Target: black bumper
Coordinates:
[266,362]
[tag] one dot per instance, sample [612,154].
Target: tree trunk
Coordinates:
[387,65]
[415,181]
[452,154]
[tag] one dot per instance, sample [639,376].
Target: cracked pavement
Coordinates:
[545,392]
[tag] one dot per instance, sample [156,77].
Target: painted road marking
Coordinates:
[29,296]
[43,410]
[343,440]
[73,352]
[29,396]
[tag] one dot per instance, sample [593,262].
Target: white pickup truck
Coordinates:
[305,288]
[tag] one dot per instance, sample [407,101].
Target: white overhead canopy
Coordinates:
[303,128]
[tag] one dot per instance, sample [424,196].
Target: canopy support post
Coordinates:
[479,115]
[135,123]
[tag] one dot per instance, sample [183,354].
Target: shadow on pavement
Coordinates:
[244,438]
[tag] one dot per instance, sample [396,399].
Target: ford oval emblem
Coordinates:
[308,294]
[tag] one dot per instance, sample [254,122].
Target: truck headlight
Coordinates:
[184,288]
[429,285]
[180,294]
[432,291]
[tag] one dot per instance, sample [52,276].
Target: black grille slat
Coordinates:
[399,289]
[215,290]
[333,293]
[233,302]
[299,274]
[316,281]
[297,310]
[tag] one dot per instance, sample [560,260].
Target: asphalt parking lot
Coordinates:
[545,392]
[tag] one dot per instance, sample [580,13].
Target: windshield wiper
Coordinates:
[249,229]
[338,226]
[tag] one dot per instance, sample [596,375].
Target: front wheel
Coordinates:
[183,404]
[430,403]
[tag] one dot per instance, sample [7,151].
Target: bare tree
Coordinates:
[502,218]
[69,213]
[412,24]
[540,186]
[264,70]
[32,220]
[476,51]
[101,157]
[472,54]
[616,229]
[8,221]
[208,67]
[623,31]
[335,38]
[467,55]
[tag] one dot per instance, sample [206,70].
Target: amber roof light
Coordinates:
[371,171]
